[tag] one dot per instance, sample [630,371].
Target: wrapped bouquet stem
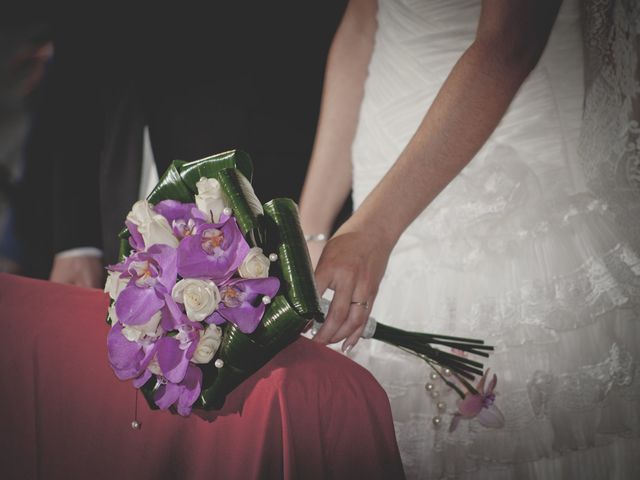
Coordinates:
[431,348]
[211,284]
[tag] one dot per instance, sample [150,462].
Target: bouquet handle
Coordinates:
[438,351]
[369,329]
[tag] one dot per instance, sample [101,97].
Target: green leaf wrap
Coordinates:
[296,271]
[246,218]
[210,166]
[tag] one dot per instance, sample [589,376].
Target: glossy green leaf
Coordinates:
[285,236]
[244,354]
[209,167]
[236,197]
[171,186]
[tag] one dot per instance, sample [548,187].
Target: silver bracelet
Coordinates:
[317,237]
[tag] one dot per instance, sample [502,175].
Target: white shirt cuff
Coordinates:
[80,252]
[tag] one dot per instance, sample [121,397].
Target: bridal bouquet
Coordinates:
[212,284]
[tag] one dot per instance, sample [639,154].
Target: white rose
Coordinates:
[135,333]
[200,297]
[254,265]
[154,366]
[153,227]
[208,345]
[112,315]
[115,284]
[210,199]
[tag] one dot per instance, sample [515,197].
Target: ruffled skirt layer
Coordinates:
[556,289]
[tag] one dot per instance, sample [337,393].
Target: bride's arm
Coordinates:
[328,179]
[510,38]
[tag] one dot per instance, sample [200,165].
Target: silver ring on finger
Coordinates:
[364,304]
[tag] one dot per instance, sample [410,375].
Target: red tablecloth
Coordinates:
[309,413]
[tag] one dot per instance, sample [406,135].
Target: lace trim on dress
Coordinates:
[566,302]
[610,137]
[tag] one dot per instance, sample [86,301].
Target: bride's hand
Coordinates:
[352,265]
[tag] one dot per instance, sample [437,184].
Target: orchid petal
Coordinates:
[166,257]
[149,351]
[470,406]
[172,359]
[248,314]
[135,240]
[135,305]
[191,390]
[167,395]
[480,386]
[175,316]
[174,210]
[491,417]
[219,263]
[124,356]
[492,384]
[246,317]
[260,286]
[215,318]
[142,379]
[119,267]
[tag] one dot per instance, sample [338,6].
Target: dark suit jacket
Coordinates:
[243,74]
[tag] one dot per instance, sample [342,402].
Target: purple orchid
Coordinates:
[214,251]
[185,393]
[174,353]
[135,240]
[480,405]
[132,360]
[242,303]
[171,354]
[128,359]
[153,275]
[183,217]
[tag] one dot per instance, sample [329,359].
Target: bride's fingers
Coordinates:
[343,286]
[352,339]
[357,317]
[338,312]
[348,329]
[323,280]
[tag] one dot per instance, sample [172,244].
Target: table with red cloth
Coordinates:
[308,413]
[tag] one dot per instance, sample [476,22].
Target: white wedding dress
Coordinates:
[534,247]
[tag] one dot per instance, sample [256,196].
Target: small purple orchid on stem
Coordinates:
[480,405]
